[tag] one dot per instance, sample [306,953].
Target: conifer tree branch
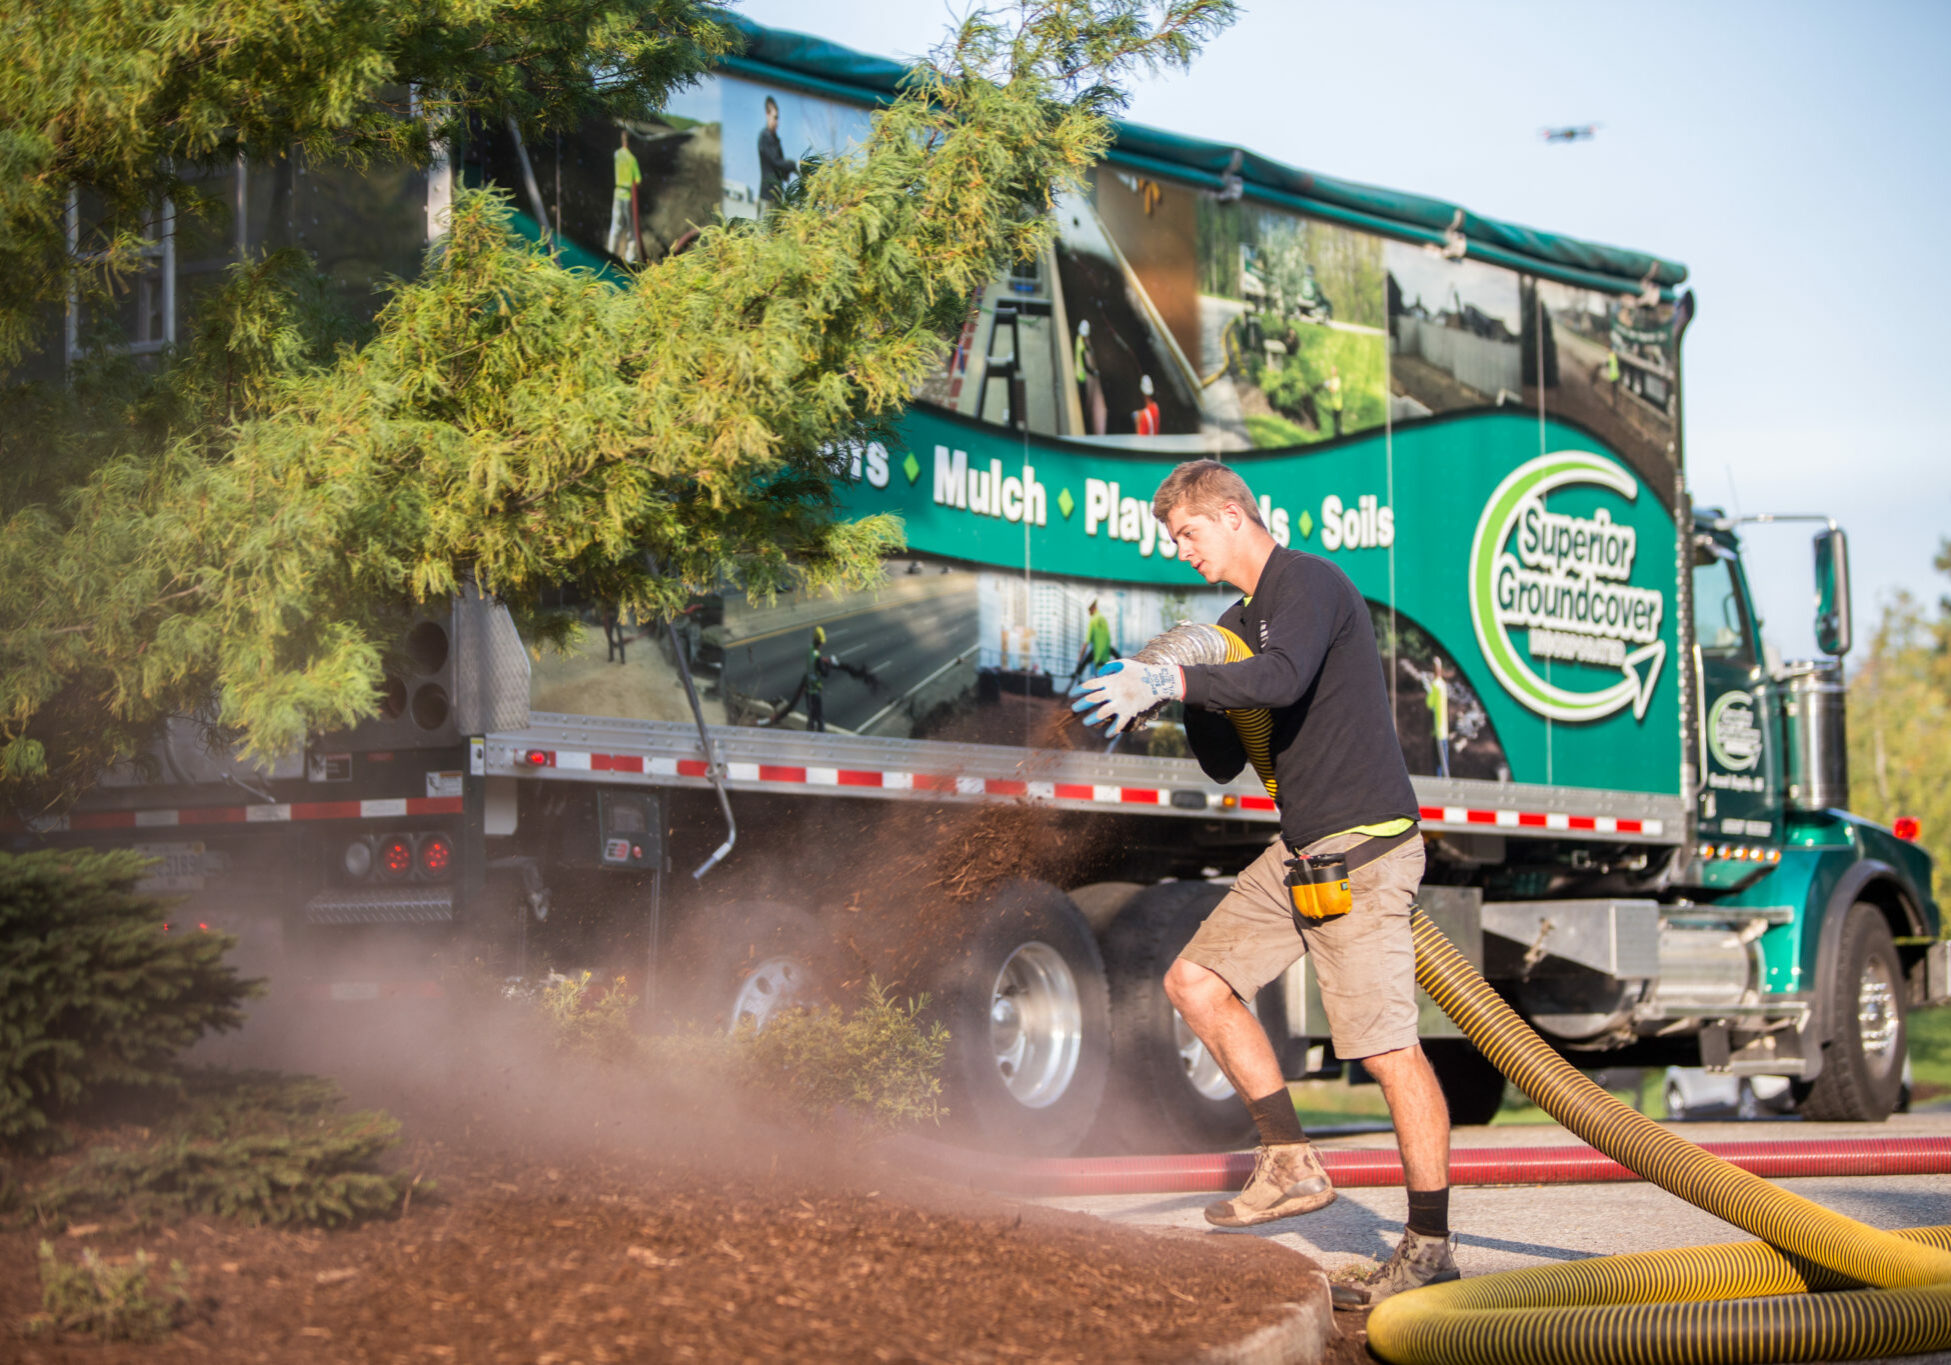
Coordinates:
[521,425]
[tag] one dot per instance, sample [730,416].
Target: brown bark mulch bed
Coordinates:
[639,1258]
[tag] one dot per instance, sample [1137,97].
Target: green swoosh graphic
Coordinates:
[1537,478]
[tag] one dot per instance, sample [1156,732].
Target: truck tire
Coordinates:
[1029,1023]
[1472,1087]
[1166,1092]
[1862,1076]
[1103,902]
[742,962]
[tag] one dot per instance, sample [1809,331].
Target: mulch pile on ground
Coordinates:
[635,1259]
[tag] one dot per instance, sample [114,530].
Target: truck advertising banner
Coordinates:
[1523,597]
[1489,456]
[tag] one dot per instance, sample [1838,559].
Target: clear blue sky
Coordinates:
[1793,155]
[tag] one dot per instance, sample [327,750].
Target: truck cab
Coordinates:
[1852,930]
[1789,937]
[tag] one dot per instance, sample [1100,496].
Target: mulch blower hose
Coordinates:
[1818,1286]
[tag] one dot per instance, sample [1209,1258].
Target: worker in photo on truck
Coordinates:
[1342,790]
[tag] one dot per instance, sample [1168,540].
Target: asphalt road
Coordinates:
[1508,1227]
[900,644]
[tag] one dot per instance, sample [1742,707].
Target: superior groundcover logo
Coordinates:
[1567,582]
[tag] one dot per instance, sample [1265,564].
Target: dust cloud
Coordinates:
[853,891]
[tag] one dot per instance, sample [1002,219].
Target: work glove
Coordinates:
[1126,692]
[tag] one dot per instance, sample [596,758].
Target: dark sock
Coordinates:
[1274,1116]
[1429,1212]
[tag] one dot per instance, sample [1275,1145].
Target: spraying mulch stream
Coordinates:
[632,1258]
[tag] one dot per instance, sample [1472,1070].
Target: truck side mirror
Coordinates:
[1832,592]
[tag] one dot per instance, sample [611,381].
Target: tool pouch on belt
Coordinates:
[1318,884]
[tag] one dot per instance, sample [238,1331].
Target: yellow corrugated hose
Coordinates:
[1818,1287]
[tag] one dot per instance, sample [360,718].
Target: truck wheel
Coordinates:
[744,962]
[1167,1093]
[1863,1073]
[1472,1087]
[1028,1022]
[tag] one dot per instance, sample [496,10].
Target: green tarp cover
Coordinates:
[798,58]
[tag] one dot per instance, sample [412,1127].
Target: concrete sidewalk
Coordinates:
[1509,1227]
[1505,1227]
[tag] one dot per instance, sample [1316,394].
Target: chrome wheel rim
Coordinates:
[775,985]
[1202,1071]
[1877,1018]
[1036,1025]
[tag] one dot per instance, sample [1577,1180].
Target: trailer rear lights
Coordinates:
[396,858]
[1189,800]
[436,856]
[1905,827]
[1229,802]
[358,860]
[539,758]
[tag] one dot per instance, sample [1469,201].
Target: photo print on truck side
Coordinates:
[1454,334]
[1608,364]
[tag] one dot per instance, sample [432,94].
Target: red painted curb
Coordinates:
[1367,1167]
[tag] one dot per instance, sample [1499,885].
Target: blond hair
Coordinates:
[1204,487]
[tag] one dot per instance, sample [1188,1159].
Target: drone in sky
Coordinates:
[1581,132]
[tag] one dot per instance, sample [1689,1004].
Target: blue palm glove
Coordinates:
[1127,691]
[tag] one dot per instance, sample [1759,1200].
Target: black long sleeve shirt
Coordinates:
[775,167]
[1315,666]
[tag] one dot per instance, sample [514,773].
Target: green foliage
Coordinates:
[113,1302]
[589,1023]
[1272,432]
[511,422]
[1928,1035]
[93,993]
[1900,723]
[262,1149]
[120,101]
[877,1063]
[1299,388]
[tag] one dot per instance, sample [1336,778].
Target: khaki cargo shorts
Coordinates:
[1364,961]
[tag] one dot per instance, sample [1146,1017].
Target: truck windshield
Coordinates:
[1720,617]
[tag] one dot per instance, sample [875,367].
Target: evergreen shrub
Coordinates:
[93,993]
[115,1302]
[257,1147]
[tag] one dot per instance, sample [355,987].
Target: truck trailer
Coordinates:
[1635,813]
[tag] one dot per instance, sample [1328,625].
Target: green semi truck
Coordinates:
[1636,815]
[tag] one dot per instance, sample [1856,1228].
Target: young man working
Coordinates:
[1342,788]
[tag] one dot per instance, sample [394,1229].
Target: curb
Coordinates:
[1301,1336]
[1360,1167]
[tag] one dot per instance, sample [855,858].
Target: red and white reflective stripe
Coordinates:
[570,760]
[191,817]
[1547,820]
[792,774]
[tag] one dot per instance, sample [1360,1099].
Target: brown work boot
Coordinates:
[1419,1260]
[1287,1179]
